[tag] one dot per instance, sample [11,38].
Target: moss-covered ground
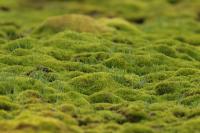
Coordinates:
[100,66]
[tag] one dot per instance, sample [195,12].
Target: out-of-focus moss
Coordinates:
[79,23]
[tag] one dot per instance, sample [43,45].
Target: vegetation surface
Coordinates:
[100,66]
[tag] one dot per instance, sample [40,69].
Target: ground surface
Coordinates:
[100,66]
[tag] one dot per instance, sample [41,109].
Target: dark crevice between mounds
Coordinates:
[124,41]
[86,122]
[79,1]
[179,114]
[193,115]
[140,20]
[5,9]
[12,36]
[94,13]
[180,39]
[174,2]
[198,16]
[44,69]
[42,73]
[133,118]
[82,123]
[26,126]
[40,68]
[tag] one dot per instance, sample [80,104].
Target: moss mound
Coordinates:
[103,97]
[79,23]
[91,83]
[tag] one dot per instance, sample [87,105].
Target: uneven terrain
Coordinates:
[100,66]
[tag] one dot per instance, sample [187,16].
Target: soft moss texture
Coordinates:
[99,66]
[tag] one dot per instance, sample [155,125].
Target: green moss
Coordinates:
[191,92]
[29,96]
[30,3]
[111,116]
[187,72]
[70,97]
[91,83]
[190,52]
[129,94]
[103,97]
[10,60]
[24,43]
[122,25]
[116,61]
[67,108]
[165,88]
[174,1]
[191,39]
[21,52]
[194,113]
[4,115]
[87,119]
[59,54]
[134,113]
[7,88]
[190,126]
[158,76]
[191,100]
[44,124]
[78,66]
[67,119]
[43,76]
[103,106]
[6,104]
[90,58]
[166,50]
[60,86]
[11,32]
[136,128]
[99,66]
[149,60]
[180,112]
[79,23]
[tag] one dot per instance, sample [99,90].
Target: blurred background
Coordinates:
[180,17]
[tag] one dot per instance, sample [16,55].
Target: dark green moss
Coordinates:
[134,113]
[165,88]
[166,50]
